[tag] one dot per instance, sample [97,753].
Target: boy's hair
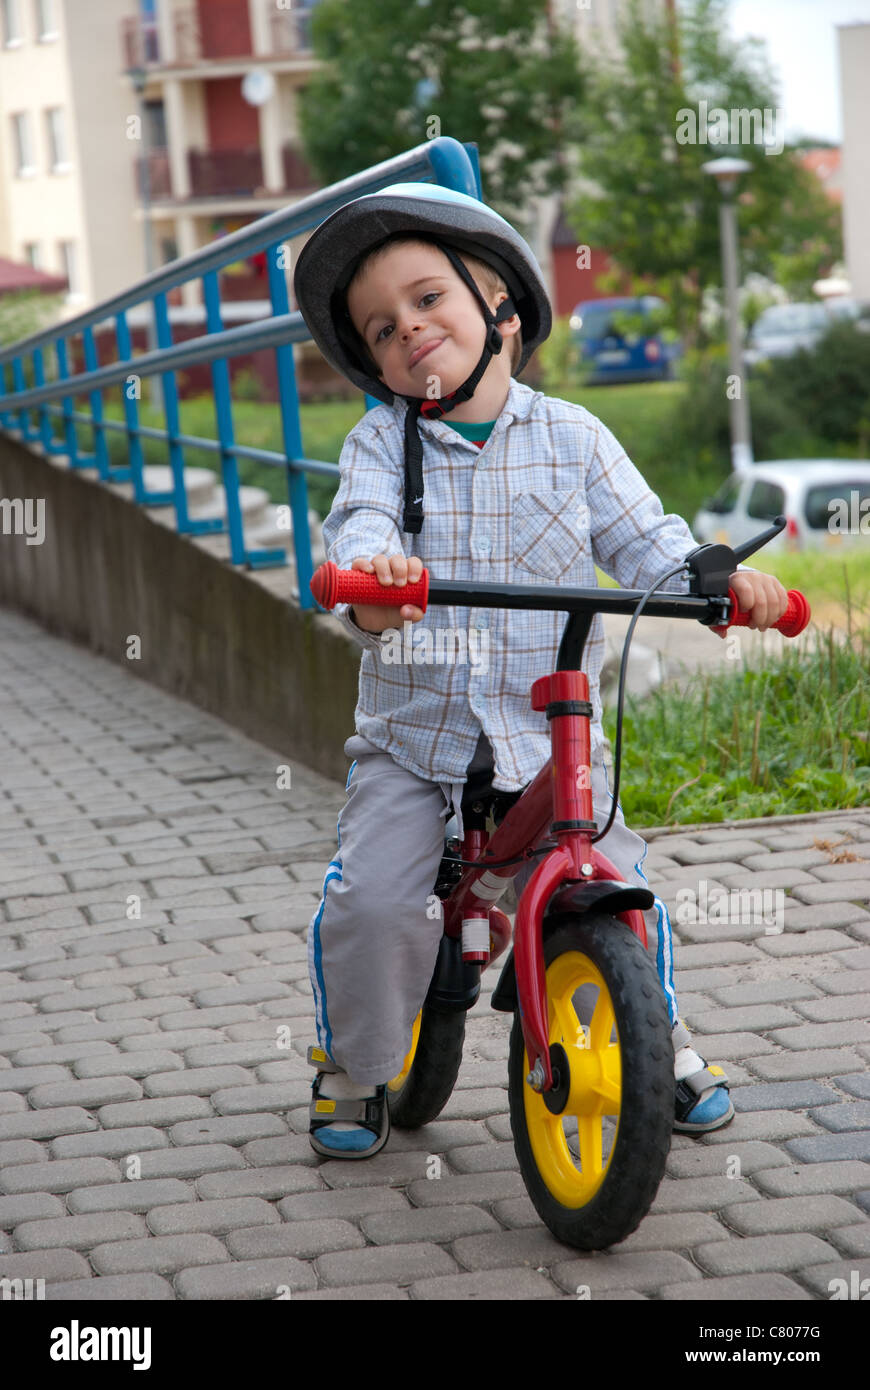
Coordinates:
[488,280]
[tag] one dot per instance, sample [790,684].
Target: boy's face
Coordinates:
[419,320]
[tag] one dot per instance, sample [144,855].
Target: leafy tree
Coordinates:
[643,194]
[398,72]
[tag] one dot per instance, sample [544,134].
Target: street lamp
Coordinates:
[726,172]
[138,76]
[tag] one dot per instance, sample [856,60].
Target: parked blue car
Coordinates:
[608,355]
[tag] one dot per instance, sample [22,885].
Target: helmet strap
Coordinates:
[434,408]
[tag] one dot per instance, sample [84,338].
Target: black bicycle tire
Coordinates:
[432,1077]
[643,1138]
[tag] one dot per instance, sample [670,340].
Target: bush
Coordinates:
[814,403]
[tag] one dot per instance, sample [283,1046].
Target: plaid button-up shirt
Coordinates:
[550,494]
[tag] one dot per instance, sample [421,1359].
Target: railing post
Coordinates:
[291,429]
[101,453]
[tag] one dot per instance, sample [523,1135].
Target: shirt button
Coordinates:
[484,545]
[484,621]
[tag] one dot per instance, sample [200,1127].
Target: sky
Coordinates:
[801,41]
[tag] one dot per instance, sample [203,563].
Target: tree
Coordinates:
[651,122]
[398,72]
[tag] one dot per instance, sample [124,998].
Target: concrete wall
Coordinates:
[229,640]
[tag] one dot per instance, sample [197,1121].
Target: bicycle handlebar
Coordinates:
[330,585]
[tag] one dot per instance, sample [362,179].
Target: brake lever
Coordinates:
[711,566]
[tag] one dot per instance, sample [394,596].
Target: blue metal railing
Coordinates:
[443,160]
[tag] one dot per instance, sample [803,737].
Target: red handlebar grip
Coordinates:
[330,586]
[792,622]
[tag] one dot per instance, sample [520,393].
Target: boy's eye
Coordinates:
[430,294]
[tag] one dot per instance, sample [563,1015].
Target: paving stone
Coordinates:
[260,1097]
[752,1018]
[822,1034]
[120,1288]
[243,1054]
[50,1265]
[154,1112]
[138,1195]
[811,1212]
[79,1232]
[60,1176]
[29,1206]
[849,1115]
[822,1148]
[762,1254]
[60,1052]
[485,1285]
[157,1254]
[24,1078]
[793,1066]
[852,1240]
[767,1125]
[783,1095]
[112,1143]
[639,1270]
[717,1161]
[369,1293]
[44,1124]
[679,1231]
[213,1217]
[846,982]
[227,1129]
[190,1162]
[844,1176]
[144,1062]
[763,992]
[196,1081]
[745,1288]
[832,1008]
[94,1091]
[352,1202]
[436,1223]
[858,1085]
[850,1275]
[483,1158]
[305,1239]
[112,1031]
[402,1264]
[15,1151]
[246,1279]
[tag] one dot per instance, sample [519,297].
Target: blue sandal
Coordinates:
[372,1113]
[692,1115]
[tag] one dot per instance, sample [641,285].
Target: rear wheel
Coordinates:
[592,1152]
[425,1084]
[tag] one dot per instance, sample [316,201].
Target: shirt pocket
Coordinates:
[549,531]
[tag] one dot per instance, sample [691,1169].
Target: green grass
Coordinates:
[790,735]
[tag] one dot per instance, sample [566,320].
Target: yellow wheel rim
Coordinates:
[573,1150]
[398,1081]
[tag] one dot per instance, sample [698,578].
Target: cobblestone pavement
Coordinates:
[153,1121]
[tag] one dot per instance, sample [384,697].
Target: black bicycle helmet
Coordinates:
[454,222]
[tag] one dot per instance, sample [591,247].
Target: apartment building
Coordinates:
[135,131]
[854,53]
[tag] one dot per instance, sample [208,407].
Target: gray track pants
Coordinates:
[372,943]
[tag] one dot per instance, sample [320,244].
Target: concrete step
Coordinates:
[268,533]
[254,502]
[200,483]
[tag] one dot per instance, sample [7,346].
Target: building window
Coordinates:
[10,14]
[57,146]
[33,254]
[69,267]
[22,137]
[46,21]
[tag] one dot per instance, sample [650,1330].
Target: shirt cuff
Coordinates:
[371,641]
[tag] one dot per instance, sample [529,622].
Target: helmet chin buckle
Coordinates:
[494,340]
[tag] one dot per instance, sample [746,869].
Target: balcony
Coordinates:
[225,173]
[226,36]
[153,181]
[297,174]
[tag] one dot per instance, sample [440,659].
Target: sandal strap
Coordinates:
[369,1111]
[316,1057]
[680,1035]
[702,1080]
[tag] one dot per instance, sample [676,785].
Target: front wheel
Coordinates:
[592,1152]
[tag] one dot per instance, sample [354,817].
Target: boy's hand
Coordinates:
[393,569]
[761,595]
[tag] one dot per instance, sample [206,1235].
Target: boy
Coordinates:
[519,487]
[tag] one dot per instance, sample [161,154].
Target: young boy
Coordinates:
[428,300]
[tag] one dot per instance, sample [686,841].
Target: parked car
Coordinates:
[783,329]
[610,352]
[826,503]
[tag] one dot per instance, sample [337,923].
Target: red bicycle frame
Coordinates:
[557,801]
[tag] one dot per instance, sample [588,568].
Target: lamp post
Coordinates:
[138,77]
[726,172]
